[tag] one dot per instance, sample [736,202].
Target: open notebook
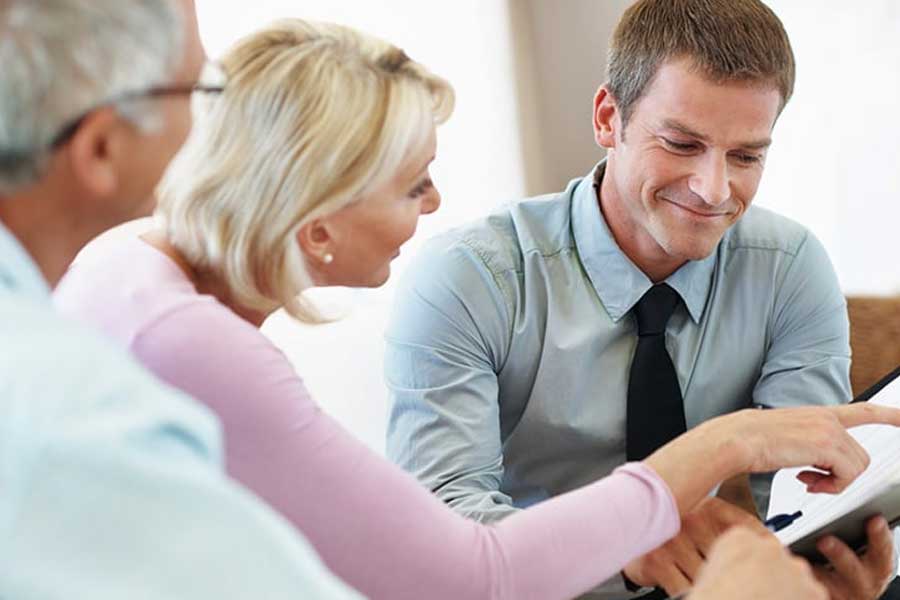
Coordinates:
[877,490]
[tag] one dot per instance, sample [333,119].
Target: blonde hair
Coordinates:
[313,115]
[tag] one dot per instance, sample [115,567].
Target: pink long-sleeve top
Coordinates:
[371,522]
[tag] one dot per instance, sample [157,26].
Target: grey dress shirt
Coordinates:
[510,343]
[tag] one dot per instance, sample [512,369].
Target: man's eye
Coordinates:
[748,159]
[680,146]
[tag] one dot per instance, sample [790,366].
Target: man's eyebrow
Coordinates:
[683,129]
[757,144]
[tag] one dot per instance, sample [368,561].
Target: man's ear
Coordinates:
[606,118]
[97,149]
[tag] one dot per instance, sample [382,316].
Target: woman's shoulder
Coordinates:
[208,351]
[138,296]
[120,285]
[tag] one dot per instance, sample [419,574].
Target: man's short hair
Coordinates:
[64,57]
[726,40]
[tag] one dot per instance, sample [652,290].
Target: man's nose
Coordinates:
[712,180]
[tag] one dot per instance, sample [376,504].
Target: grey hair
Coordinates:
[62,58]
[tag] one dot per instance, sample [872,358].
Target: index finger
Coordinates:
[865,413]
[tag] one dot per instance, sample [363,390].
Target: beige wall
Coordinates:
[560,60]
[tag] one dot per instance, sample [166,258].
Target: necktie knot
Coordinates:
[654,308]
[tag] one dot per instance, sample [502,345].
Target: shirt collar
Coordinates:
[18,272]
[617,281]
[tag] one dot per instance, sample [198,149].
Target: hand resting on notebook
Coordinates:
[752,441]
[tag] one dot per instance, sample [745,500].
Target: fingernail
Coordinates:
[828,544]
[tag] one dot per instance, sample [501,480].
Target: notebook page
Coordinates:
[882,442]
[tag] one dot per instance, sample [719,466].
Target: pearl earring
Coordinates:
[328,258]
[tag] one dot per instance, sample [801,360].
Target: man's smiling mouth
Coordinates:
[703,214]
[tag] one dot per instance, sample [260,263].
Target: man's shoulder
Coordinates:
[44,340]
[63,376]
[501,239]
[764,230]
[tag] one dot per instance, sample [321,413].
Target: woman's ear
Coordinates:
[606,118]
[316,240]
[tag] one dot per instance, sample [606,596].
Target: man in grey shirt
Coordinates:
[511,342]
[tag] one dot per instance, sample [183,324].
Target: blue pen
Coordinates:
[779,522]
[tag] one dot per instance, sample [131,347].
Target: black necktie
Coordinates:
[655,407]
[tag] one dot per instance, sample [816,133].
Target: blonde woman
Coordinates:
[311,168]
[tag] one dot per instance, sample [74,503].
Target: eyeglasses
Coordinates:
[212,81]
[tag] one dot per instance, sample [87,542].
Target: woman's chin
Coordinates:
[375,280]
[380,278]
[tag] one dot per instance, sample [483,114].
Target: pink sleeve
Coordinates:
[371,522]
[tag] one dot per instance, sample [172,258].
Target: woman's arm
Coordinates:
[381,531]
[372,523]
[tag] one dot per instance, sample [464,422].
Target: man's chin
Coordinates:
[694,243]
[692,250]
